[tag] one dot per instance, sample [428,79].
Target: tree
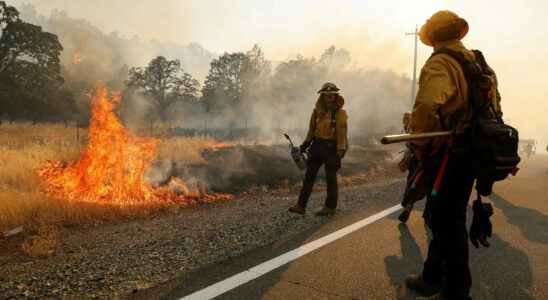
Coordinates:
[335,59]
[235,78]
[224,83]
[8,15]
[29,66]
[163,82]
[64,106]
[294,80]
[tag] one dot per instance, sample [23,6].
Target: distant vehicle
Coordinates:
[528,147]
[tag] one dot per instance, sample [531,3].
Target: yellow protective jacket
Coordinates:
[442,90]
[323,123]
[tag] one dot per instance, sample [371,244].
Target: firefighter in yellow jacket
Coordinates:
[327,141]
[440,104]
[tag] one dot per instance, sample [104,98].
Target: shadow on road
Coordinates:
[410,258]
[500,272]
[532,223]
[262,285]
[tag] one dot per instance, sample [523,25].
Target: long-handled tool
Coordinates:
[398,138]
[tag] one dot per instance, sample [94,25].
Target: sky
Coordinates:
[513,35]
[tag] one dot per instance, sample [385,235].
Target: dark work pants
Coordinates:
[321,152]
[447,262]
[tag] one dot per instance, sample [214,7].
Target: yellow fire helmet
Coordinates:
[443,25]
[329,88]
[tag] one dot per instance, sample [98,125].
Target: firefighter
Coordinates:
[326,144]
[405,122]
[441,101]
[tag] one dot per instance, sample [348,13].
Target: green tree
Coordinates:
[64,106]
[29,66]
[8,15]
[234,78]
[224,83]
[295,80]
[163,82]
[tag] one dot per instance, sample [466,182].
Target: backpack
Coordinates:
[492,143]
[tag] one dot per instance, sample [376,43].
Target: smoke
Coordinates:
[374,99]
[90,55]
[280,98]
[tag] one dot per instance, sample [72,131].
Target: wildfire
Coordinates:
[112,167]
[76,57]
[214,144]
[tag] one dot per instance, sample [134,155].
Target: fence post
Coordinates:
[205,128]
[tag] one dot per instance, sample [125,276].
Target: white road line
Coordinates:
[230,283]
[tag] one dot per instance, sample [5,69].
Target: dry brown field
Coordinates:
[23,202]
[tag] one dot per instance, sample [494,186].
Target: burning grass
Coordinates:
[112,167]
[23,201]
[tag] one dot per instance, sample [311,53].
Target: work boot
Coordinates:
[326,211]
[404,216]
[416,282]
[297,209]
[436,296]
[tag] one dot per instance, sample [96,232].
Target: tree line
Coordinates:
[237,87]
[31,85]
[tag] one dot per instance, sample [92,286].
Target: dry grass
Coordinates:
[28,135]
[22,201]
[185,150]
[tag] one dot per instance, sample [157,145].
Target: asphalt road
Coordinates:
[372,262]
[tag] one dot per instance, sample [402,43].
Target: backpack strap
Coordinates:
[334,124]
[474,73]
[334,121]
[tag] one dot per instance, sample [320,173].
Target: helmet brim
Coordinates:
[328,92]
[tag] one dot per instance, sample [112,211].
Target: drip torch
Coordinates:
[296,154]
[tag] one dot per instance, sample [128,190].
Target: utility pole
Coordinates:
[416,34]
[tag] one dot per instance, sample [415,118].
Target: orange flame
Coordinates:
[112,166]
[76,58]
[215,144]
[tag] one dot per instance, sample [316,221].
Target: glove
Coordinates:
[305,146]
[481,227]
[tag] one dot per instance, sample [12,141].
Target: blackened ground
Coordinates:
[237,169]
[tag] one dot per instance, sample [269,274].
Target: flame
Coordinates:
[215,144]
[111,168]
[76,57]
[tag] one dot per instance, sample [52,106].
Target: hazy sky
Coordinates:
[512,34]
